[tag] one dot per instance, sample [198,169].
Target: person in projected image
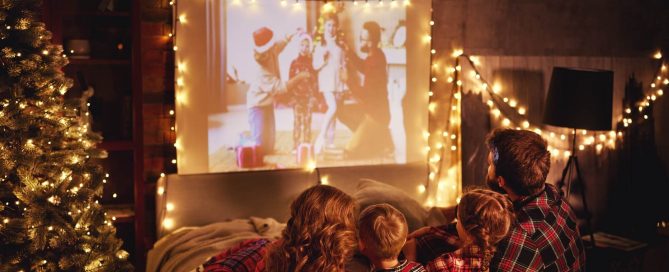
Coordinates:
[329,62]
[371,136]
[267,84]
[303,95]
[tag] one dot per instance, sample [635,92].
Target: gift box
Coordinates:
[249,156]
[305,153]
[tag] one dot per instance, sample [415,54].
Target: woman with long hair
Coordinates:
[319,236]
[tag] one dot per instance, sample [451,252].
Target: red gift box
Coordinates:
[249,156]
[305,153]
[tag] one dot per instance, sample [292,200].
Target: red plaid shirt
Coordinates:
[248,256]
[464,259]
[544,238]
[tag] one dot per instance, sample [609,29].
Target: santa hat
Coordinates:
[263,39]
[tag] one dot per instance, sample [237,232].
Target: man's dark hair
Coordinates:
[521,158]
[374,30]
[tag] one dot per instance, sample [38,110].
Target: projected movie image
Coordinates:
[324,87]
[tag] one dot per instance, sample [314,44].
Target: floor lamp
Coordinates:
[579,99]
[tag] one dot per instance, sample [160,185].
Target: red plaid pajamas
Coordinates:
[248,256]
[544,238]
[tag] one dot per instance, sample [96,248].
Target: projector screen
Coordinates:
[269,84]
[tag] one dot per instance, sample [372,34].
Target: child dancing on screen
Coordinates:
[268,83]
[303,94]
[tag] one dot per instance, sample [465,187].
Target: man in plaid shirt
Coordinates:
[545,236]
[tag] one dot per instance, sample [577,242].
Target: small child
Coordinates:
[383,231]
[483,217]
[303,95]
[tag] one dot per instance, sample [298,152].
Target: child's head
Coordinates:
[484,218]
[305,44]
[383,231]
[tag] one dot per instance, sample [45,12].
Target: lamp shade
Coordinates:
[580,98]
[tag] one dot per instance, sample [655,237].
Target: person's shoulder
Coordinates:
[414,267]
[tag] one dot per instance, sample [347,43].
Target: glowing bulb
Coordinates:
[161,190]
[513,103]
[652,85]
[660,92]
[427,38]
[496,88]
[526,124]
[506,122]
[182,18]
[169,207]
[433,51]
[168,223]
[171,112]
[174,161]
[567,154]
[431,22]
[521,111]
[45,52]
[457,53]
[602,137]
[175,48]
[432,107]
[311,166]
[581,147]
[434,79]
[490,103]
[563,137]
[599,148]
[658,55]
[496,112]
[325,180]
[453,148]
[421,188]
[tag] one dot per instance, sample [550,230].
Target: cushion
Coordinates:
[438,216]
[370,192]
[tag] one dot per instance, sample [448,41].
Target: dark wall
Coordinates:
[620,35]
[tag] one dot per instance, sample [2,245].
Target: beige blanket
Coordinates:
[187,248]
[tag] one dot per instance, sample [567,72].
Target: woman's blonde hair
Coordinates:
[320,235]
[487,217]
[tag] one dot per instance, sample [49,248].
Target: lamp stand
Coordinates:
[572,166]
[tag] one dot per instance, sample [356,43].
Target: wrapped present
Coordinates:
[305,153]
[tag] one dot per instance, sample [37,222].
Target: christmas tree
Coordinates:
[50,217]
